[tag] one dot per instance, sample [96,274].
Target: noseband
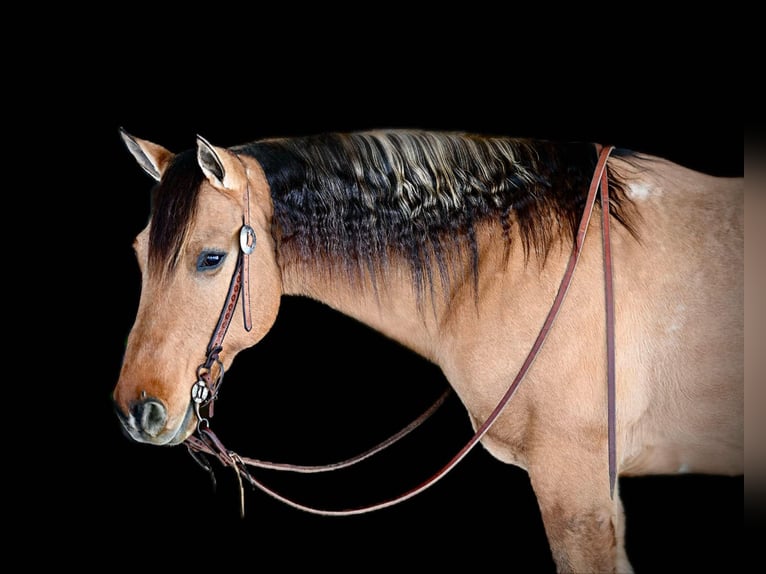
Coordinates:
[205,389]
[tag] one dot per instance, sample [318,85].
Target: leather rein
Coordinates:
[205,389]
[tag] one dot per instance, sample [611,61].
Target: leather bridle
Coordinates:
[205,389]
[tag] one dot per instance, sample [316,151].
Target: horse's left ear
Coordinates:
[219,165]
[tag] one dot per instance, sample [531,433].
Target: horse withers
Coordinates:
[455,246]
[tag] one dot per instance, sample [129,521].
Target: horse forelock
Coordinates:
[174,203]
[350,201]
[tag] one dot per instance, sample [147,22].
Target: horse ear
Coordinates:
[151,157]
[218,164]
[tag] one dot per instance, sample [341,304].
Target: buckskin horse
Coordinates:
[479,254]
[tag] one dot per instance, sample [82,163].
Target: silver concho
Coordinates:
[200,392]
[247,239]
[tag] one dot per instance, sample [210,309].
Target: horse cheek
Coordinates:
[265,294]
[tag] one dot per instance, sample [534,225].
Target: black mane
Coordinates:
[351,201]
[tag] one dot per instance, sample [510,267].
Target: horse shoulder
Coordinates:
[680,323]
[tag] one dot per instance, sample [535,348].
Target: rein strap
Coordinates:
[209,443]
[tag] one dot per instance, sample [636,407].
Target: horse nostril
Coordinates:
[151,416]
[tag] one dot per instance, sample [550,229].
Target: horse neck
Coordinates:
[392,307]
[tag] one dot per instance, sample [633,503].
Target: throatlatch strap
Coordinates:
[246,248]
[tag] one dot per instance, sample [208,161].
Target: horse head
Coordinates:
[188,253]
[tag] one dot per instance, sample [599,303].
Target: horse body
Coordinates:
[678,275]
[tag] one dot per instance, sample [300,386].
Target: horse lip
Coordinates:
[181,435]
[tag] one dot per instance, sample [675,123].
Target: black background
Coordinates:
[321,387]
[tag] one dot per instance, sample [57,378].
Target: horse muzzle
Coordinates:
[147,420]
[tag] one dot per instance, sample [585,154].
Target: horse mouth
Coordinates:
[186,428]
[168,437]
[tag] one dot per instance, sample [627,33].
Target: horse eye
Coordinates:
[209,260]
